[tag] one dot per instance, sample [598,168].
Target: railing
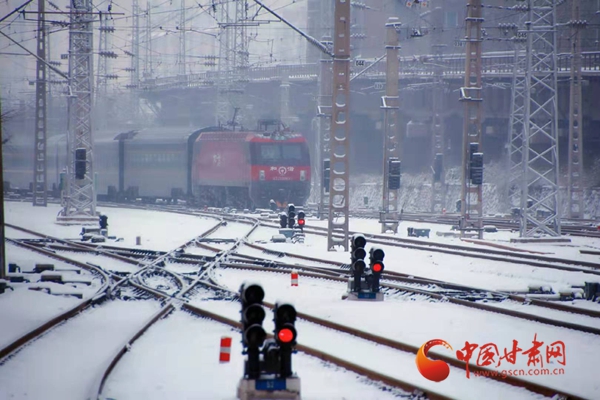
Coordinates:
[451,65]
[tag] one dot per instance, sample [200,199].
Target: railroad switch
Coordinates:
[4,285]
[50,277]
[39,268]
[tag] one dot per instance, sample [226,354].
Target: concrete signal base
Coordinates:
[363,296]
[247,390]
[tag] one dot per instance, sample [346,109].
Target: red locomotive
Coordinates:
[237,167]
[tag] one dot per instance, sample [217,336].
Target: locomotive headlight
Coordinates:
[302,175]
[261,175]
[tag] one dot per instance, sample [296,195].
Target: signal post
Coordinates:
[268,372]
[391,141]
[363,283]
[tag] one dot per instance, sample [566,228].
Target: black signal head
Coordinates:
[285,313]
[358,240]
[252,294]
[376,254]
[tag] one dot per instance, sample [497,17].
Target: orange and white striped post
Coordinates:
[294,277]
[225,353]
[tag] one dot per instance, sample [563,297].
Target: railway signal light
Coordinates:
[476,169]
[358,254]
[326,174]
[285,336]
[103,222]
[301,220]
[253,334]
[376,256]
[438,167]
[394,170]
[80,163]
[291,216]
[283,220]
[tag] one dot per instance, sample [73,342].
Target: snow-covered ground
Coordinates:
[415,319]
[178,357]
[186,366]
[65,362]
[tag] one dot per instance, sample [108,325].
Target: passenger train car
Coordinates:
[210,166]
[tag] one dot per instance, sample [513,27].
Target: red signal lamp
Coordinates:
[377,267]
[301,222]
[286,335]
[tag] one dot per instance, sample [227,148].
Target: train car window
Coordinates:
[282,154]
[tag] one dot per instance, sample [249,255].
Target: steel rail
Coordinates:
[411,278]
[437,296]
[370,374]
[99,296]
[514,381]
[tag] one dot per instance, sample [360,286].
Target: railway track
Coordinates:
[378,340]
[231,259]
[473,252]
[585,228]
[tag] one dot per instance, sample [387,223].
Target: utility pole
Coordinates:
[339,184]
[319,17]
[471,96]
[391,132]
[40,192]
[438,182]
[182,44]
[575,190]
[2,240]
[284,90]
[324,115]
[539,187]
[80,200]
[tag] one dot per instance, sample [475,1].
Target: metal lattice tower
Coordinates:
[80,200]
[516,129]
[134,68]
[182,55]
[102,70]
[40,193]
[575,189]
[471,96]
[102,76]
[233,60]
[324,128]
[539,186]
[224,66]
[438,182]
[391,131]
[339,185]
[148,72]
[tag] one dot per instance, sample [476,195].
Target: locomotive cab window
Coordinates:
[280,154]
